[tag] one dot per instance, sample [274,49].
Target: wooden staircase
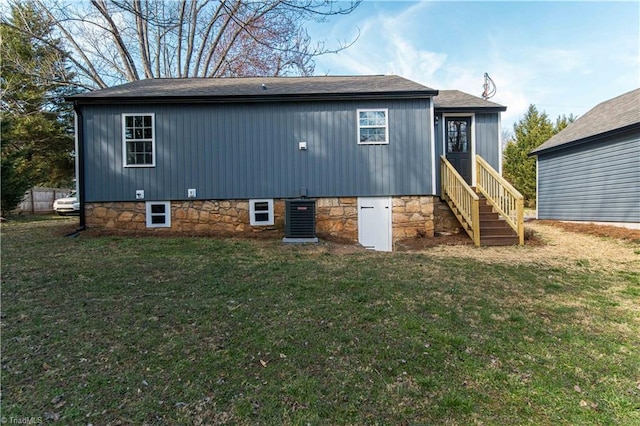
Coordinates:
[494,230]
[492,213]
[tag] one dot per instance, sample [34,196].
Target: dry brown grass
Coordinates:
[559,247]
[632,235]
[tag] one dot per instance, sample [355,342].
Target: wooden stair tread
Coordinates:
[494,230]
[498,241]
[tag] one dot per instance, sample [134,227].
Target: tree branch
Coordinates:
[112,40]
[143,37]
[205,37]
[128,62]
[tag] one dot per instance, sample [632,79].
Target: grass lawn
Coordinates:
[115,330]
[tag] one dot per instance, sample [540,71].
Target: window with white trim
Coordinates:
[261,212]
[158,214]
[373,126]
[138,140]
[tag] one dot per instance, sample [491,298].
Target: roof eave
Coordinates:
[471,109]
[421,94]
[588,139]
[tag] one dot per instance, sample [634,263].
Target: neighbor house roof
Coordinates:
[617,114]
[257,89]
[455,100]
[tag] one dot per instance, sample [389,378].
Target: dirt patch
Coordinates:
[165,233]
[413,244]
[459,239]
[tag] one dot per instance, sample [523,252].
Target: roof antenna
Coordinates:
[489,87]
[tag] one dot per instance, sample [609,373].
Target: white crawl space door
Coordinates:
[374,223]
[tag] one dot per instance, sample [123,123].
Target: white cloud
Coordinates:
[385,46]
[559,76]
[413,63]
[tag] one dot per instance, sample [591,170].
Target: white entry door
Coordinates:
[374,223]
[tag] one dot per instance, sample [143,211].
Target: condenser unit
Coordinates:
[300,221]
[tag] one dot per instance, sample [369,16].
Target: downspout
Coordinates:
[80,187]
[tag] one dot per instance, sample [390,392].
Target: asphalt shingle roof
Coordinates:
[455,99]
[259,88]
[283,88]
[614,114]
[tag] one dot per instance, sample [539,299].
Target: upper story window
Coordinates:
[139,141]
[373,126]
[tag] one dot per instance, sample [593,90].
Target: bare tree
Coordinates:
[113,41]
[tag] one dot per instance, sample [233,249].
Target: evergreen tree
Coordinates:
[14,183]
[563,121]
[36,123]
[518,168]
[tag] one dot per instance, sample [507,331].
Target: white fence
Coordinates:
[39,200]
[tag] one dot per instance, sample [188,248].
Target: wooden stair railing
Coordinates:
[492,212]
[494,230]
[501,195]
[462,200]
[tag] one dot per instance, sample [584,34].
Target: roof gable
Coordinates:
[615,114]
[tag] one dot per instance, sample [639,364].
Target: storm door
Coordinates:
[458,145]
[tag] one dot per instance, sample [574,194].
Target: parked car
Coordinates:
[67,206]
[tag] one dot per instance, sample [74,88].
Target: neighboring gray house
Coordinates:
[590,171]
[221,155]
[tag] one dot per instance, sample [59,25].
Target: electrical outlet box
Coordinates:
[139,194]
[302,146]
[191,193]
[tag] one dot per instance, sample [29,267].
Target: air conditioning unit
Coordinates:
[300,221]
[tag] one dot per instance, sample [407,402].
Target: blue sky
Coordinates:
[563,57]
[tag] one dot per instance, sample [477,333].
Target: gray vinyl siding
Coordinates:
[488,138]
[597,182]
[487,132]
[439,137]
[240,151]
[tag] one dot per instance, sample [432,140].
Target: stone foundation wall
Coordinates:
[126,215]
[210,216]
[412,217]
[336,218]
[207,217]
[444,219]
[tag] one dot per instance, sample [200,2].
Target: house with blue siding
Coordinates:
[590,171]
[221,156]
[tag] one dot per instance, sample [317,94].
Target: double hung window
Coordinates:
[138,137]
[373,126]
